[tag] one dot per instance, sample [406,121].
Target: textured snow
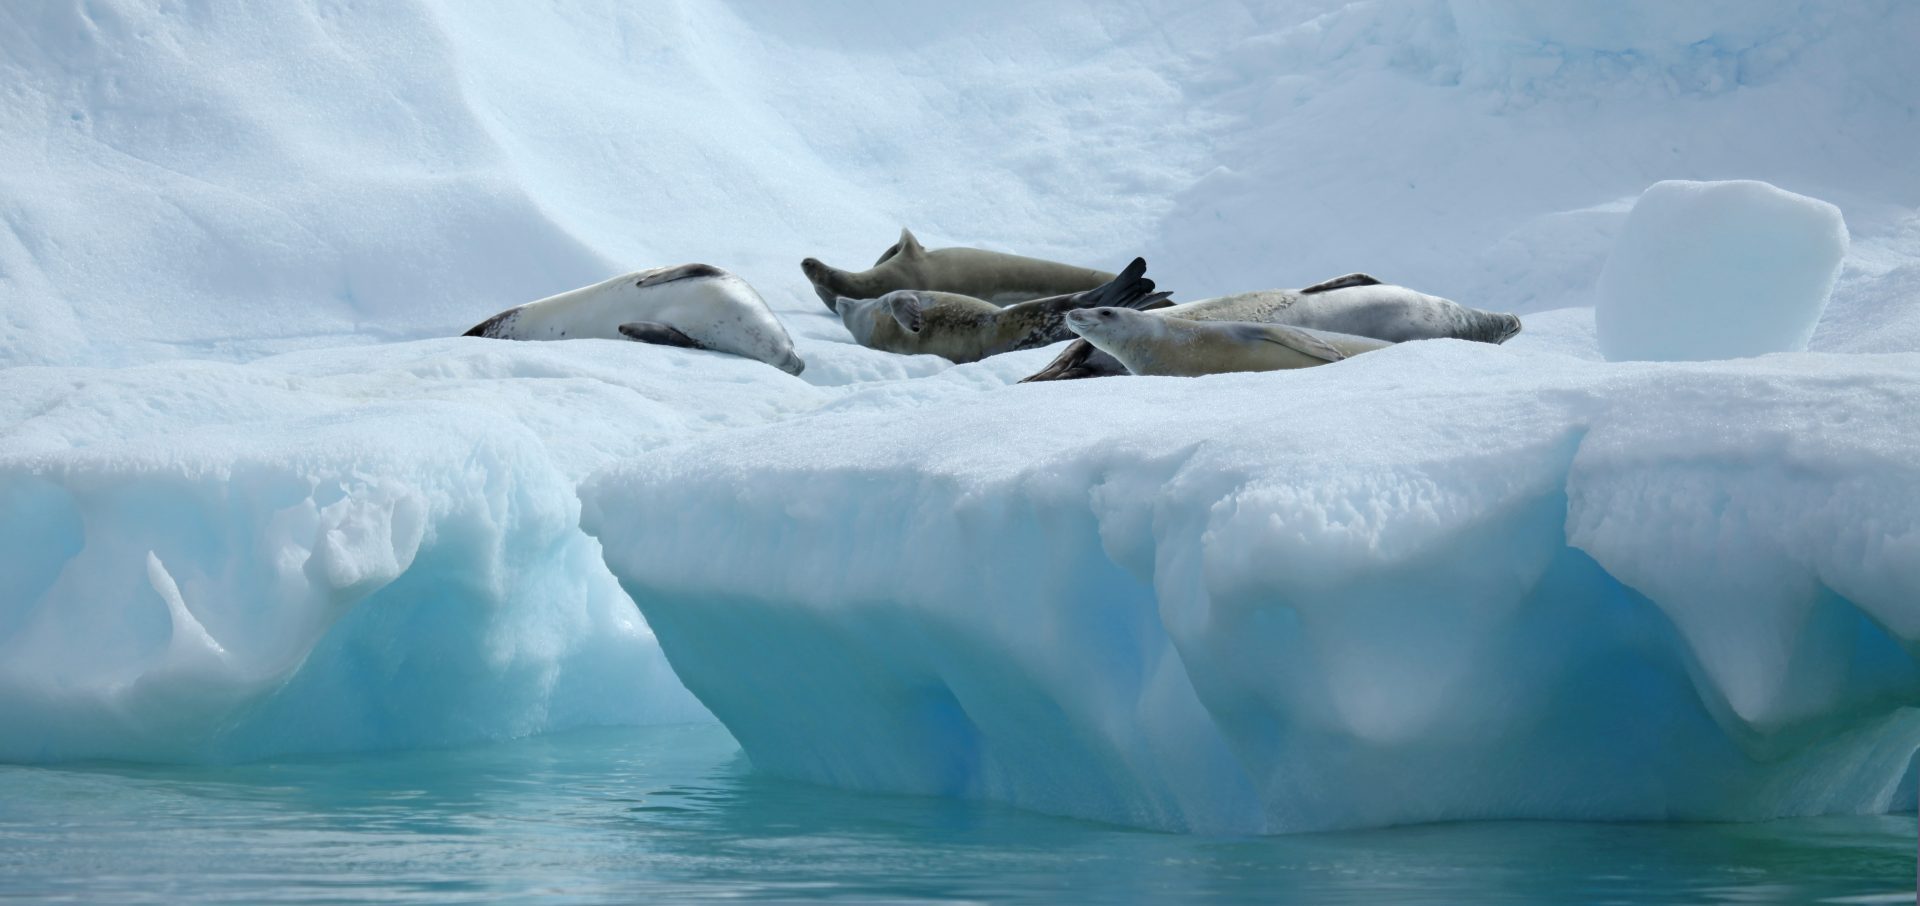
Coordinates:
[1718,270]
[256,499]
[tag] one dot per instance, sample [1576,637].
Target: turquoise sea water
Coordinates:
[675,814]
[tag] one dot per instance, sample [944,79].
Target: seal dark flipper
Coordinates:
[1341,282]
[1129,289]
[661,275]
[1079,360]
[659,335]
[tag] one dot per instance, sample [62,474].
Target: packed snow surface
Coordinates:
[256,497]
[1718,270]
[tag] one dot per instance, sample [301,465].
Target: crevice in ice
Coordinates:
[189,646]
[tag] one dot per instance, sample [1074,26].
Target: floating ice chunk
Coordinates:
[1718,270]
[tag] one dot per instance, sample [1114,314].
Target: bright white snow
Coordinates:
[255,498]
[1718,270]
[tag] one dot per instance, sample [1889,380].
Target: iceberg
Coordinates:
[1718,270]
[1437,582]
[256,500]
[371,547]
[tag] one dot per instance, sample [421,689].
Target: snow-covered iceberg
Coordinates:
[1441,581]
[254,500]
[360,548]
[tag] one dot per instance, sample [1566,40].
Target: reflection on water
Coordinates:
[675,814]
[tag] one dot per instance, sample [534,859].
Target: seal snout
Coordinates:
[1080,320]
[1509,328]
[792,364]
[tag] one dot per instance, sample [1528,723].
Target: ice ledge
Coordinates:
[1437,582]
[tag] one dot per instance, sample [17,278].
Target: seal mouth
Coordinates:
[792,364]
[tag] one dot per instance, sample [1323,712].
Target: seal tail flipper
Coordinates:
[828,281]
[659,334]
[1068,360]
[1341,282]
[1129,289]
[1079,360]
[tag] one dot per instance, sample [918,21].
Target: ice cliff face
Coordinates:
[1434,583]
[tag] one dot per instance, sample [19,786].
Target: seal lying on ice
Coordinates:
[697,306]
[995,277]
[1353,304]
[1176,347]
[965,329]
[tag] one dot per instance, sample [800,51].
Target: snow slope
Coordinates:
[254,499]
[208,178]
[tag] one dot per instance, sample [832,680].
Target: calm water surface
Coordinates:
[674,814]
